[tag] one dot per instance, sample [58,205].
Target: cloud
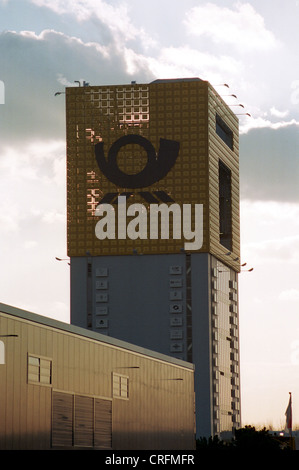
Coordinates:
[270,240]
[242,27]
[186,61]
[33,227]
[283,249]
[289,295]
[281,114]
[269,167]
[41,161]
[43,64]
[30,244]
[115,17]
[261,122]
[32,188]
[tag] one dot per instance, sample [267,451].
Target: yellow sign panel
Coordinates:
[138,168]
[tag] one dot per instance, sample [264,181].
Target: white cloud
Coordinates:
[269,233]
[251,122]
[269,161]
[281,114]
[185,61]
[63,80]
[242,27]
[41,161]
[46,34]
[32,186]
[33,227]
[269,296]
[42,64]
[116,18]
[30,244]
[290,294]
[9,216]
[274,251]
[54,216]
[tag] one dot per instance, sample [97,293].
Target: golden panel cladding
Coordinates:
[97,117]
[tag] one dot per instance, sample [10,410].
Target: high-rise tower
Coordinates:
[153,228]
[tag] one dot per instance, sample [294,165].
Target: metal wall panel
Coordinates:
[159,409]
[218,150]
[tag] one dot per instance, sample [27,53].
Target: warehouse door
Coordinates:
[103,424]
[81,421]
[83,432]
[62,419]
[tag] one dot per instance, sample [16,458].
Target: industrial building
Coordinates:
[153,228]
[64,387]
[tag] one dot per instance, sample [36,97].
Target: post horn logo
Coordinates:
[156,168]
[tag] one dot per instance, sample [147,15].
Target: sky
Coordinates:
[250,45]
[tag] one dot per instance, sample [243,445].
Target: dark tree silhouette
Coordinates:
[249,438]
[244,439]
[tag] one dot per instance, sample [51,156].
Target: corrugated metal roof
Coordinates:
[50,322]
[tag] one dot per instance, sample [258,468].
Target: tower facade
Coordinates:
[153,228]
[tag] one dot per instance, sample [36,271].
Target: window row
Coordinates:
[39,371]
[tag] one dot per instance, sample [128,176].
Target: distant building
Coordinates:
[64,387]
[171,144]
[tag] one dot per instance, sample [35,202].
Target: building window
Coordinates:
[39,370]
[120,386]
[224,132]
[225,206]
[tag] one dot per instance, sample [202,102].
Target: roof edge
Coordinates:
[69,328]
